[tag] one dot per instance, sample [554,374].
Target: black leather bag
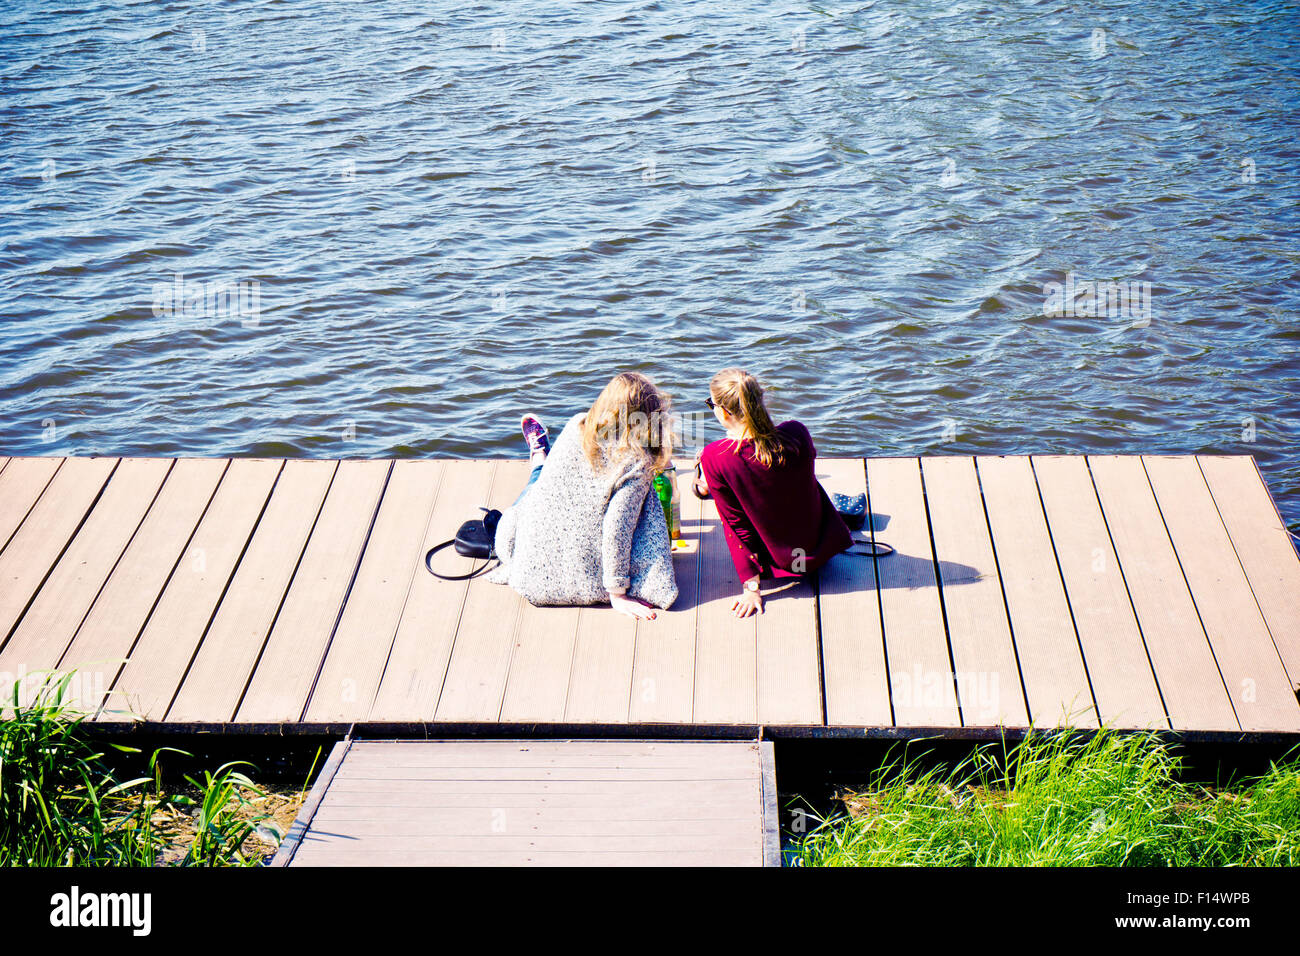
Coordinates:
[851,508]
[476,538]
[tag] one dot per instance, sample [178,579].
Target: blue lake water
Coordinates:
[437,216]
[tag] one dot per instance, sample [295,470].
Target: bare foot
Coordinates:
[632,607]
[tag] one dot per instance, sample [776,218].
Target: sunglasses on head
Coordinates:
[711,403]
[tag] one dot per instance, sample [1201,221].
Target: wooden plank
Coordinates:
[473,759]
[570,767]
[603,650]
[612,822]
[366,803]
[1261,693]
[789,684]
[558,746]
[1118,667]
[855,672]
[1194,693]
[543,663]
[726,647]
[343,850]
[1264,546]
[606,818]
[293,839]
[381,771]
[921,675]
[565,788]
[1051,663]
[398,770]
[417,664]
[21,484]
[106,636]
[57,610]
[361,644]
[463,827]
[398,767]
[979,632]
[45,532]
[485,636]
[224,663]
[789,680]
[530,779]
[287,669]
[149,680]
[485,758]
[728,759]
[725,780]
[770,808]
[663,664]
[459,827]
[623,667]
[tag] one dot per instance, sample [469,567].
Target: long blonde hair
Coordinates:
[629,418]
[740,394]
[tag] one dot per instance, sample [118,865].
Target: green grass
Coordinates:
[220,827]
[1059,800]
[61,805]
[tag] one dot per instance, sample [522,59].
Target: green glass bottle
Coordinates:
[664,491]
[665,485]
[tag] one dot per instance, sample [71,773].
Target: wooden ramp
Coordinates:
[539,803]
[264,595]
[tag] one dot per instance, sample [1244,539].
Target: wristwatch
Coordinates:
[751,586]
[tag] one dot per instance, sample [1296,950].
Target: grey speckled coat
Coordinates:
[580,532]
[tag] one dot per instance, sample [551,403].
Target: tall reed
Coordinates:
[61,804]
[1059,799]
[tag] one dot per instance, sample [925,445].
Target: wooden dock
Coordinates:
[267,595]
[540,803]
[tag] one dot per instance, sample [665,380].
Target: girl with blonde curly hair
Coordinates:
[587,527]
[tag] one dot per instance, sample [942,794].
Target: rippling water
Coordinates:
[455,213]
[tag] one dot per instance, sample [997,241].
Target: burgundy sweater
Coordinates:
[773,517]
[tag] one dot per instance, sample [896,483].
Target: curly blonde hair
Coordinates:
[629,418]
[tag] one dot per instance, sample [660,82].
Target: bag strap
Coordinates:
[872,548]
[428,563]
[875,549]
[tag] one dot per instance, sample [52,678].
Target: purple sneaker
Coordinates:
[535,434]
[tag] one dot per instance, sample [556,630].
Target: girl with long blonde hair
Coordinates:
[777,519]
[587,527]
